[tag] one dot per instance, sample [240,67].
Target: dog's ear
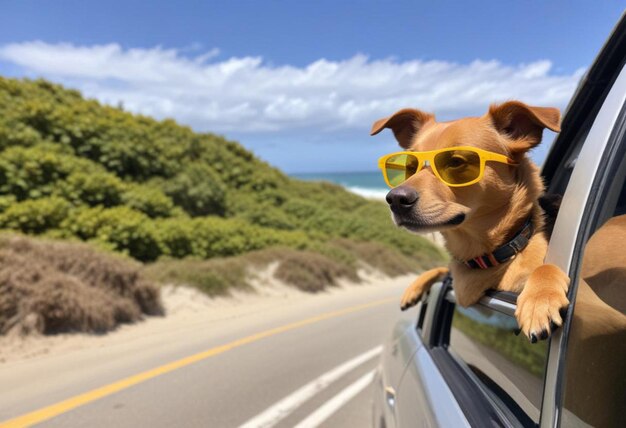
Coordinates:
[524,124]
[404,123]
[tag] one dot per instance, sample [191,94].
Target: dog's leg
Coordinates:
[421,285]
[539,303]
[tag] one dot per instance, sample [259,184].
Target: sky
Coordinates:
[300,82]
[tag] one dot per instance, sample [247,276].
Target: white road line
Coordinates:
[278,411]
[325,411]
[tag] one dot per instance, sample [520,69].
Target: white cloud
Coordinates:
[248,95]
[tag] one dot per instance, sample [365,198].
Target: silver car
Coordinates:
[453,367]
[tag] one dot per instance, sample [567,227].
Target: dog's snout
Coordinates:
[402,198]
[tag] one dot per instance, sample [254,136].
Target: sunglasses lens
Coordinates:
[400,167]
[458,166]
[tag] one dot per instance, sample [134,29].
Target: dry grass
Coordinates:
[310,271]
[214,277]
[390,262]
[51,287]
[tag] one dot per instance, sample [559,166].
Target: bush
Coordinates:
[35,216]
[261,213]
[92,188]
[150,200]
[312,272]
[213,277]
[216,237]
[127,230]
[34,172]
[198,190]
[6,201]
[52,287]
[176,238]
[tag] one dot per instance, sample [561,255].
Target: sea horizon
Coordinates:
[369,184]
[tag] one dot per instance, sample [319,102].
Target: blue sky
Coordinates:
[300,82]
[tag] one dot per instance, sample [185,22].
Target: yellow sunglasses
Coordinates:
[455,166]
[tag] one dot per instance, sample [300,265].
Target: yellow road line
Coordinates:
[53,410]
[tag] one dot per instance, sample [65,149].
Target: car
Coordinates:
[450,366]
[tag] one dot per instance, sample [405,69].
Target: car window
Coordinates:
[508,367]
[595,360]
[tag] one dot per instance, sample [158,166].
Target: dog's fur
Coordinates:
[479,218]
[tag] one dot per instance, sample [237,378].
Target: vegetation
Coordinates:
[310,271]
[53,287]
[197,208]
[71,168]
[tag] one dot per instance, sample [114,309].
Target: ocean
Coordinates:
[367,184]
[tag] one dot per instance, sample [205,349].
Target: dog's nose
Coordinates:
[401,198]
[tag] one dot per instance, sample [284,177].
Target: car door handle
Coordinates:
[390,396]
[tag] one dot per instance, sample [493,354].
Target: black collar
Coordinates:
[505,252]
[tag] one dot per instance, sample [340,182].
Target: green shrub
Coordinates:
[35,216]
[6,201]
[216,237]
[33,172]
[150,200]
[261,213]
[127,230]
[198,190]
[92,188]
[176,237]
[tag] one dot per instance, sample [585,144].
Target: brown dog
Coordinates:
[478,220]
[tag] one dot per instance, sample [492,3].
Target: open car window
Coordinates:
[495,375]
[508,367]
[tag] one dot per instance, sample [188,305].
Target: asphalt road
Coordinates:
[309,365]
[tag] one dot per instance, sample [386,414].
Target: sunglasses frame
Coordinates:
[429,156]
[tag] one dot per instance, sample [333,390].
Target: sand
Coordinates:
[186,307]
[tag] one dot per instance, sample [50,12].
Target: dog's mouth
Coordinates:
[421,226]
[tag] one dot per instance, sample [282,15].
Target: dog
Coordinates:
[493,228]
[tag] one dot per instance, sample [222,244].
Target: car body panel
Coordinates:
[425,396]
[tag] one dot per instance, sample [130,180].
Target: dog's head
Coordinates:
[424,203]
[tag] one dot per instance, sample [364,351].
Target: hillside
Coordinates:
[73,169]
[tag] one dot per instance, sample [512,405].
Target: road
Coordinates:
[310,363]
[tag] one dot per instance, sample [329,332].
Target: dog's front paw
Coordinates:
[411,296]
[539,305]
[422,284]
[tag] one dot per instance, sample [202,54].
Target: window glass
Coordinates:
[509,367]
[595,370]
